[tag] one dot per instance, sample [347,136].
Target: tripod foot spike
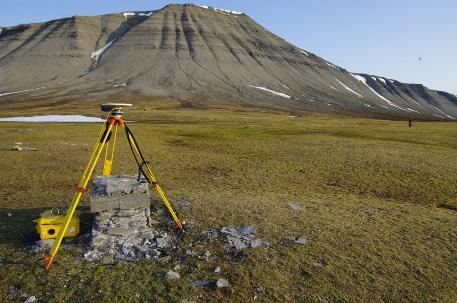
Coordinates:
[48,261]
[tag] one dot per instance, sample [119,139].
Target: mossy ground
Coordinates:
[378,201]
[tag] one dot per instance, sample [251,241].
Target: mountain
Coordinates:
[195,52]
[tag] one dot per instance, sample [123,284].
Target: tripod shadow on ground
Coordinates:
[17,227]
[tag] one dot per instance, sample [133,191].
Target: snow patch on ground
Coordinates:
[128,14]
[22,91]
[271,91]
[302,51]
[331,65]
[364,81]
[348,88]
[221,10]
[333,87]
[96,55]
[439,116]
[53,118]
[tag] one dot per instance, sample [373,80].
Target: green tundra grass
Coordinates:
[379,207]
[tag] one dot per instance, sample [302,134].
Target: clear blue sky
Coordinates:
[381,37]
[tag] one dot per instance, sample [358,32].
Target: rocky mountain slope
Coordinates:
[189,51]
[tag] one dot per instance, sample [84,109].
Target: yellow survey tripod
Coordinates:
[114,120]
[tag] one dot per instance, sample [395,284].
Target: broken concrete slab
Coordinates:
[133,201]
[100,204]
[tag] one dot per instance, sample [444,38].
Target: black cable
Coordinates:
[143,162]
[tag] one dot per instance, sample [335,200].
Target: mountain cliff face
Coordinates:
[188,51]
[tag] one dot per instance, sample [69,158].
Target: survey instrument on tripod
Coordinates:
[107,141]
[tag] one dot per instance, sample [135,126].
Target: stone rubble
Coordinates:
[41,245]
[239,238]
[122,227]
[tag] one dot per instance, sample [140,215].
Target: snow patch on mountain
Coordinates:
[364,81]
[411,110]
[145,14]
[96,55]
[142,14]
[348,88]
[436,108]
[271,91]
[221,10]
[21,91]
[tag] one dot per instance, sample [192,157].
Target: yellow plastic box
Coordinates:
[48,225]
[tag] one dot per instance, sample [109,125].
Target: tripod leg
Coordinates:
[150,176]
[77,197]
[108,163]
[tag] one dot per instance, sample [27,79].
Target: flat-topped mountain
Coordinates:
[189,51]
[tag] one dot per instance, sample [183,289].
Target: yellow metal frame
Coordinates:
[108,163]
[87,174]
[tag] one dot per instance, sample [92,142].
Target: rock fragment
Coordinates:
[297,240]
[239,238]
[320,263]
[198,283]
[294,206]
[222,283]
[30,299]
[171,275]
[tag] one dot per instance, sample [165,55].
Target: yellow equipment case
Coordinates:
[49,224]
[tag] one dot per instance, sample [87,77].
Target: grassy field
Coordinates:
[379,207]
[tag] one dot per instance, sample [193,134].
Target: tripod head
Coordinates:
[114,109]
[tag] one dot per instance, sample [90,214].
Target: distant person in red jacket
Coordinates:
[410,122]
